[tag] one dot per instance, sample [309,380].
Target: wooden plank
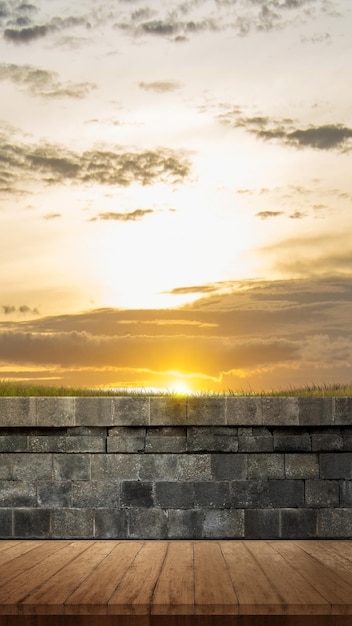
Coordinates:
[327,582]
[93,594]
[27,559]
[329,555]
[174,591]
[18,549]
[214,592]
[298,593]
[14,591]
[255,592]
[50,595]
[134,594]
[6,544]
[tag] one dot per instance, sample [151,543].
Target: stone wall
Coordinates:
[148,467]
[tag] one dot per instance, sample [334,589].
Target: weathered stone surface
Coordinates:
[96,494]
[193,467]
[166,439]
[71,467]
[185,524]
[126,439]
[255,442]
[298,523]
[147,524]
[280,411]
[54,494]
[32,523]
[205,411]
[17,494]
[111,524]
[72,523]
[343,411]
[336,465]
[17,412]
[114,466]
[83,443]
[242,411]
[301,465]
[45,443]
[261,524]
[212,439]
[327,440]
[265,466]
[223,524]
[94,411]
[11,443]
[315,411]
[5,523]
[174,495]
[54,411]
[129,411]
[158,467]
[345,493]
[212,495]
[136,494]
[322,493]
[228,466]
[292,440]
[20,466]
[168,411]
[335,523]
[266,493]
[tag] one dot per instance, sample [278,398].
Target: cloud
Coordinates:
[51,216]
[43,83]
[31,32]
[133,216]
[23,310]
[264,215]
[160,86]
[297,215]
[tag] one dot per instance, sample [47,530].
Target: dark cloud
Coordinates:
[43,83]
[297,215]
[132,216]
[160,86]
[23,310]
[29,33]
[264,215]
[325,137]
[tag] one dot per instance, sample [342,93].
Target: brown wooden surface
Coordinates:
[175,583]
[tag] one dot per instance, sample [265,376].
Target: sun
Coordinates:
[180,387]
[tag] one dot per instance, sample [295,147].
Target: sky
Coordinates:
[176,193]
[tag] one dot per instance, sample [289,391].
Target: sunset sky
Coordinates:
[176,193]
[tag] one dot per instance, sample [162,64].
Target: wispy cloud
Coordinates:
[24,309]
[160,86]
[265,215]
[28,33]
[132,216]
[43,83]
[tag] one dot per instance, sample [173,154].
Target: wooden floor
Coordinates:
[175,583]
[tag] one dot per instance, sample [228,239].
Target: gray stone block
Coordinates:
[17,494]
[13,443]
[261,524]
[158,467]
[53,494]
[212,439]
[228,466]
[168,411]
[264,466]
[130,411]
[315,411]
[226,524]
[280,411]
[71,467]
[170,439]
[84,443]
[286,493]
[147,524]
[31,523]
[256,443]
[17,412]
[343,411]
[45,443]
[347,444]
[96,494]
[52,411]
[114,466]
[136,494]
[205,411]
[345,492]
[110,524]
[292,440]
[72,523]
[87,431]
[5,523]
[174,495]
[335,465]
[194,467]
[322,441]
[242,411]
[211,495]
[298,523]
[185,524]
[322,493]
[267,493]
[335,523]
[94,411]
[29,467]
[126,439]
[301,465]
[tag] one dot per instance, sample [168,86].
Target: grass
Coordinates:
[11,389]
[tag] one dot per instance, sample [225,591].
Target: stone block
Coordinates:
[185,524]
[322,441]
[266,493]
[228,466]
[212,439]
[72,523]
[347,444]
[292,440]
[110,524]
[96,411]
[315,411]
[193,467]
[174,495]
[211,495]
[168,411]
[242,411]
[44,443]
[31,523]
[17,494]
[345,493]
[343,411]
[301,465]
[83,443]
[130,411]
[17,412]
[53,494]
[71,467]
[279,411]
[335,523]
[256,443]
[87,431]
[261,524]
[335,465]
[298,523]
[55,411]
[205,411]
[136,494]
[126,439]
[29,467]
[223,524]
[166,439]
[158,467]
[114,466]
[322,493]
[96,494]
[147,524]
[286,493]
[5,523]
[13,443]
[264,466]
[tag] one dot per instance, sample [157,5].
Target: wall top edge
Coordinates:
[51,411]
